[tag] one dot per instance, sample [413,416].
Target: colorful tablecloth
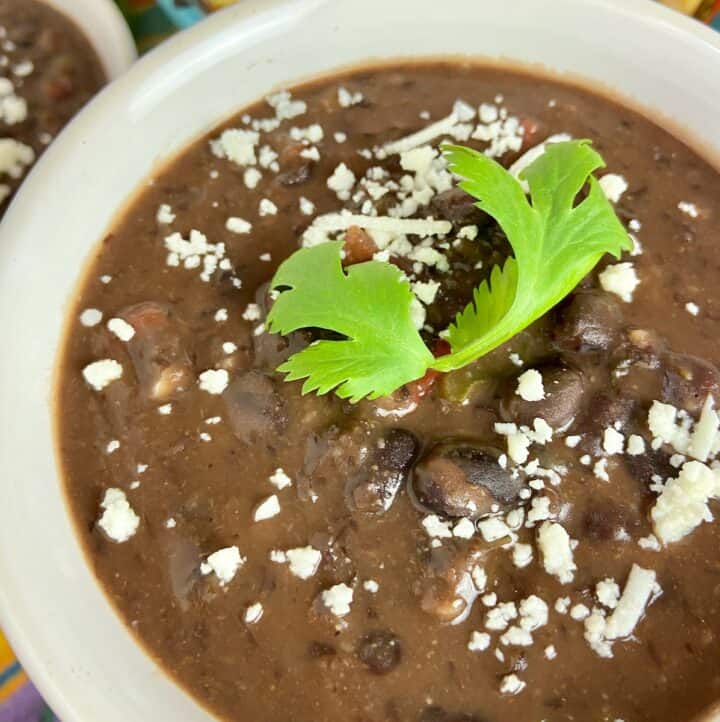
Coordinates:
[151,21]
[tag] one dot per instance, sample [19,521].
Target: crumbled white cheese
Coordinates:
[279,479]
[252,312]
[539,510]
[635,445]
[267,208]
[600,470]
[307,207]
[254,613]
[607,592]
[303,561]
[663,426]
[494,528]
[370,585]
[338,599]
[214,381]
[620,279]
[464,529]
[340,137]
[238,225]
[705,433]
[121,328]
[530,386]
[13,108]
[554,544]
[692,308]
[251,178]
[683,503]
[425,291]
[511,685]
[119,521]
[112,446]
[479,642]
[498,618]
[341,181]
[572,441]
[418,314]
[522,555]
[346,98]
[229,347]
[436,527]
[579,612]
[221,315]
[91,317]
[639,588]
[613,186]
[562,605]
[533,613]
[332,222]
[489,600]
[194,252]
[100,374]
[550,652]
[479,578]
[267,508]
[237,145]
[689,209]
[165,409]
[613,441]
[224,563]
[423,136]
[164,214]
[516,637]
[594,634]
[649,543]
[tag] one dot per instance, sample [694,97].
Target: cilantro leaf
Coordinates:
[368,303]
[555,241]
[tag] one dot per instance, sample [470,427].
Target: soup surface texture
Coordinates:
[416,558]
[48,71]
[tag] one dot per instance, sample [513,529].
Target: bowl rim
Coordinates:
[49,681]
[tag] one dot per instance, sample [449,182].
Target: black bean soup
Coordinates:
[48,71]
[529,538]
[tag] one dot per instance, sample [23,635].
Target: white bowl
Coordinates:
[105,28]
[66,633]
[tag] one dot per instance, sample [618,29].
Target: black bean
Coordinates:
[255,408]
[463,480]
[604,518]
[374,488]
[688,380]
[603,410]
[564,397]
[644,467]
[589,322]
[380,651]
[458,207]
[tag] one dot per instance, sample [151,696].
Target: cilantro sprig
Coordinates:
[556,241]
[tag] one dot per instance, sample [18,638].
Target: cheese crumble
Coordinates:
[338,599]
[530,386]
[224,563]
[214,381]
[100,374]
[620,279]
[119,521]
